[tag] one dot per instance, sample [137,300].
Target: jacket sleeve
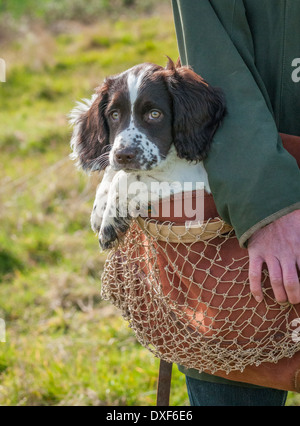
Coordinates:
[253,179]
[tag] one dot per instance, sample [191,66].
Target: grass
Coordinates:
[49,11]
[65,346]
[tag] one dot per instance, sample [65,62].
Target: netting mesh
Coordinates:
[186,295]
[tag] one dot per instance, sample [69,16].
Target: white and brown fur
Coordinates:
[150,123]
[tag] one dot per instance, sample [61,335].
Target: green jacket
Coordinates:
[251,49]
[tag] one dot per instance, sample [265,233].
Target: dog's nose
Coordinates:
[125,155]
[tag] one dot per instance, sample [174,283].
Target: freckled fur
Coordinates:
[171,151]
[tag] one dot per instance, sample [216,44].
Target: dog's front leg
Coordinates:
[128,197]
[101,199]
[116,219]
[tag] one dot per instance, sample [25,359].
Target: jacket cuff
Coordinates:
[243,240]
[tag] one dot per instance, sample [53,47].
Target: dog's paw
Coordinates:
[108,237]
[111,234]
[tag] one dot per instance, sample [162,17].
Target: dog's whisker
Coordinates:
[106,148]
[102,157]
[103,164]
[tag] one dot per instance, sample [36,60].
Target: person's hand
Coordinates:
[277,245]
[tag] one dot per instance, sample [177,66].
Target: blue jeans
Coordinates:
[203,393]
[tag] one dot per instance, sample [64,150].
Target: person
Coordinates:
[250,48]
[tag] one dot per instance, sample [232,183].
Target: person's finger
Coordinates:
[298,264]
[276,278]
[255,268]
[291,281]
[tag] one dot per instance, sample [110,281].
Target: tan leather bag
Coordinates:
[285,374]
[191,304]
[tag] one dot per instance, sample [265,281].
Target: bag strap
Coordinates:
[173,233]
[164,384]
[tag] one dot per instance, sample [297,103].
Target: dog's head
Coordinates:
[139,114]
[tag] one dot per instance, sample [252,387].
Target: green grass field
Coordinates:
[64,346]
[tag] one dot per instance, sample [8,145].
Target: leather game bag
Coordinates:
[185,292]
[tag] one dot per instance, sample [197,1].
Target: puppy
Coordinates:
[148,124]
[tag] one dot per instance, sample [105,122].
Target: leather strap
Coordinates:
[180,234]
[164,384]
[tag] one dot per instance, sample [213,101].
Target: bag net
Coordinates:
[185,292]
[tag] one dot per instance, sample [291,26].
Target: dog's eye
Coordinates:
[115,115]
[154,114]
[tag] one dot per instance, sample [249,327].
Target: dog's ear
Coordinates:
[198,110]
[90,129]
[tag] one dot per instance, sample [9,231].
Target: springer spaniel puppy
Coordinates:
[147,124]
